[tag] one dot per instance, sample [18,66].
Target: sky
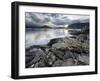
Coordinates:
[53,19]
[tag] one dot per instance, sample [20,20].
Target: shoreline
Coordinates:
[67,51]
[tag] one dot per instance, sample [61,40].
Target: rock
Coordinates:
[68,54]
[56,40]
[65,51]
[58,63]
[36,64]
[59,45]
[38,55]
[68,62]
[77,50]
[41,63]
[28,58]
[84,59]
[76,55]
[46,50]
[59,54]
[32,66]
[51,58]
[46,61]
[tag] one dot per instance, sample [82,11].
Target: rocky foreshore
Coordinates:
[67,51]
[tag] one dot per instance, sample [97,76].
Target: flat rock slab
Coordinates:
[59,45]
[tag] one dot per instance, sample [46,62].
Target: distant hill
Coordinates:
[71,26]
[33,26]
[79,26]
[45,26]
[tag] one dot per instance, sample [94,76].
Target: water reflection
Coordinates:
[43,36]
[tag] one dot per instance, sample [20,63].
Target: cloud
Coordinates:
[51,19]
[33,19]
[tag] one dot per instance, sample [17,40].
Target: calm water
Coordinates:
[42,36]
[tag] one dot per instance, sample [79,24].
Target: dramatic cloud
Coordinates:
[52,19]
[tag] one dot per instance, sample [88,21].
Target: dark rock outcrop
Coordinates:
[65,51]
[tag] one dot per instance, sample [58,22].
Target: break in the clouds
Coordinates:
[53,19]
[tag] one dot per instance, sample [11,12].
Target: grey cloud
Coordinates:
[50,19]
[36,19]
